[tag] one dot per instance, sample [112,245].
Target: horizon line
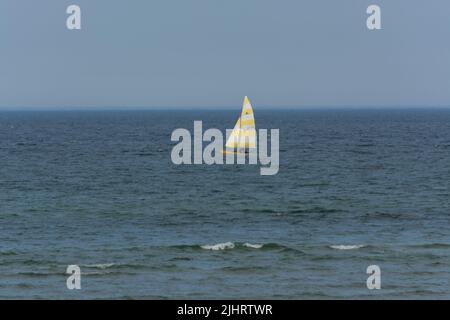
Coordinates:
[212,108]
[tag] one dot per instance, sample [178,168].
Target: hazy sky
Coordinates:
[159,53]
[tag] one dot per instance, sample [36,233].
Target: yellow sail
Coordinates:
[243,135]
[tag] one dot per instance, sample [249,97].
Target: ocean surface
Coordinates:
[98,189]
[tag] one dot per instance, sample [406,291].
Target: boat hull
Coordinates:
[234,152]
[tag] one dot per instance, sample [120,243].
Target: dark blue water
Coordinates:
[98,189]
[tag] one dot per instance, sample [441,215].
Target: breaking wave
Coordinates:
[219,246]
[347,247]
[253,246]
[246,245]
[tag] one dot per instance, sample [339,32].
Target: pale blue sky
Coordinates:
[158,53]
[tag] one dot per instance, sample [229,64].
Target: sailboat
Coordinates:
[243,137]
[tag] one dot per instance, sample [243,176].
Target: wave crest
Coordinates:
[347,247]
[231,245]
[253,246]
[219,246]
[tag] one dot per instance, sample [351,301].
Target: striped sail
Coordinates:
[243,135]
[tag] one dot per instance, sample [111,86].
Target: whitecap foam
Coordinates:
[219,246]
[253,246]
[347,247]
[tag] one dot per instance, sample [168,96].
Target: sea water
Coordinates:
[98,189]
